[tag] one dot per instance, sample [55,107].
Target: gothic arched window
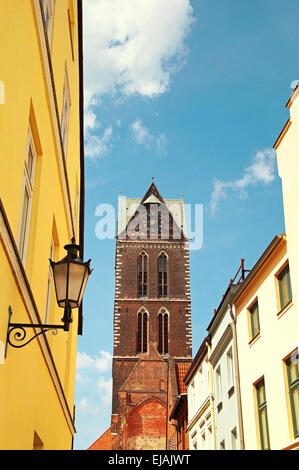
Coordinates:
[163,332]
[142,274]
[142,329]
[162,275]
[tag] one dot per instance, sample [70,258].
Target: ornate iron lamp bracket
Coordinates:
[18,333]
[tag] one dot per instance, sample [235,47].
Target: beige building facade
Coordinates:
[267,332]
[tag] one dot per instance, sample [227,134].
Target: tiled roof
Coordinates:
[181,370]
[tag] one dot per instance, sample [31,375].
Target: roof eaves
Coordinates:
[268,251]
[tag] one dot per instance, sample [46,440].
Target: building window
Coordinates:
[254,320]
[49,287]
[222,445]
[163,332]
[48,10]
[192,396]
[293,384]
[142,274]
[210,437]
[234,439]
[262,414]
[162,275]
[65,114]
[284,285]
[218,384]
[203,441]
[27,194]
[71,21]
[142,329]
[37,442]
[230,368]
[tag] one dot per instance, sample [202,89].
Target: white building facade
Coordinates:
[223,359]
[200,414]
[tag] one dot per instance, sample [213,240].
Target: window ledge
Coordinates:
[254,339]
[285,308]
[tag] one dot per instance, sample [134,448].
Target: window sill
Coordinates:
[254,339]
[285,309]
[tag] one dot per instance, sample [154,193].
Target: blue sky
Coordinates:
[191,92]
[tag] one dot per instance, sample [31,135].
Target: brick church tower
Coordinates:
[152,317]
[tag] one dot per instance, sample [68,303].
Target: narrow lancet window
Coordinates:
[162,276]
[142,274]
[163,332]
[142,328]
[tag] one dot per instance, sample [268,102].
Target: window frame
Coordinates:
[142,284]
[261,407]
[48,6]
[254,307]
[234,438]
[65,114]
[292,385]
[164,283]
[27,188]
[49,285]
[284,298]
[142,335]
[163,333]
[230,368]
[218,379]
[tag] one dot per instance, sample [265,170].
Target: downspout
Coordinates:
[167,405]
[237,373]
[208,343]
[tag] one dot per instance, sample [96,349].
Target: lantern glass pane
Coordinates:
[83,286]
[60,278]
[76,277]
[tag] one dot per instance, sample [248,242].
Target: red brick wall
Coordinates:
[103,443]
[140,380]
[146,426]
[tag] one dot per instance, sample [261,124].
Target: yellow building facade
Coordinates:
[41,209]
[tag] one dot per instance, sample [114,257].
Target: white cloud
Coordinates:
[102,362]
[142,136]
[261,171]
[89,120]
[104,388]
[133,46]
[94,382]
[294,83]
[161,143]
[98,146]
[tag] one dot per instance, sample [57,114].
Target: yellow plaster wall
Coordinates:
[29,401]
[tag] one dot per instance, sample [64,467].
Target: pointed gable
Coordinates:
[129,208]
[152,191]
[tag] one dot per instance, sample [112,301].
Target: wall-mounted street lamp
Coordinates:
[70,278]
